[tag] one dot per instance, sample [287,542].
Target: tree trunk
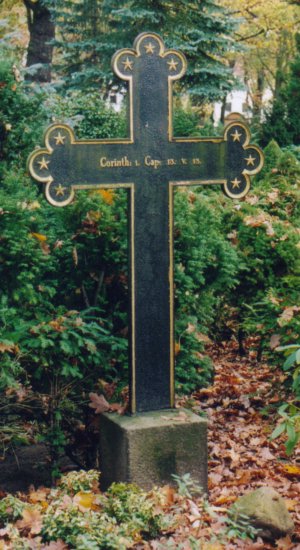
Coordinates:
[257,96]
[42,32]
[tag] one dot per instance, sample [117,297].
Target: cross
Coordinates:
[150,163]
[2,138]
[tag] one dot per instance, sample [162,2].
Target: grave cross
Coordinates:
[150,163]
[2,138]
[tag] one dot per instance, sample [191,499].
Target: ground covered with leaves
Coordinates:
[241,408]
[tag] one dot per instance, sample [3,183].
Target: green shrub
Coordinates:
[289,413]
[132,506]
[88,519]
[272,154]
[21,111]
[81,480]
[88,114]
[205,272]
[11,508]
[83,530]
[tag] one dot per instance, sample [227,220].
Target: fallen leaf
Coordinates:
[291,470]
[203,338]
[85,501]
[244,478]
[45,248]
[255,441]
[266,454]
[273,196]
[214,479]
[39,237]
[93,215]
[98,402]
[6,346]
[260,220]
[38,496]
[287,315]
[225,499]
[190,328]
[291,504]
[275,341]
[252,199]
[107,195]
[168,495]
[285,544]
[31,521]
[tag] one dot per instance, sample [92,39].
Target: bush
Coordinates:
[21,112]
[87,519]
[88,114]
[263,230]
[205,271]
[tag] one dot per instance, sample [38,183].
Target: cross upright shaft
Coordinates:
[150,163]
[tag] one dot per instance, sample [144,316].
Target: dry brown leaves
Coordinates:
[242,457]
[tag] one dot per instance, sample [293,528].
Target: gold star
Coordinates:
[236,136]
[235,183]
[127,64]
[43,164]
[172,64]
[149,48]
[60,190]
[59,139]
[250,161]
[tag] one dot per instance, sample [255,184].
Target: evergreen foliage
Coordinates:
[21,112]
[293,97]
[283,120]
[277,123]
[272,154]
[91,34]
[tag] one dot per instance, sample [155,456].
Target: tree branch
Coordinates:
[244,38]
[85,296]
[99,286]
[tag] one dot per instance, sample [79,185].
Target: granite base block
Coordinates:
[148,448]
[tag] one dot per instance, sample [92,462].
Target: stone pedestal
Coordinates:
[149,447]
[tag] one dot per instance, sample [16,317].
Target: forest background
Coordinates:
[63,272]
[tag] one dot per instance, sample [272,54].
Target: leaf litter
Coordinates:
[242,457]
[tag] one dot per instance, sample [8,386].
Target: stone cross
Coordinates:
[150,163]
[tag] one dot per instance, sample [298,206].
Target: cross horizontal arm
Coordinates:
[67,164]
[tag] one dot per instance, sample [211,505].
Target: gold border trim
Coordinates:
[171,295]
[242,193]
[52,201]
[132,290]
[261,161]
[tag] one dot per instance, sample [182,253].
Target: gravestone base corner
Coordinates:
[147,448]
